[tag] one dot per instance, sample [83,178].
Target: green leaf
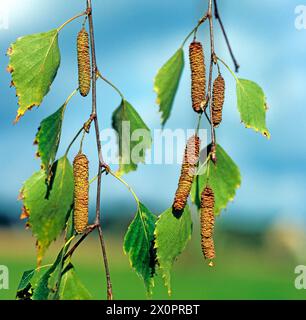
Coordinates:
[48,207]
[33,62]
[166,83]
[25,280]
[38,285]
[172,234]
[48,138]
[252,106]
[139,245]
[71,287]
[48,285]
[54,277]
[132,149]
[25,286]
[35,279]
[224,178]
[42,289]
[29,281]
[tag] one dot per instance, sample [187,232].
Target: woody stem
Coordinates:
[98,140]
[212,61]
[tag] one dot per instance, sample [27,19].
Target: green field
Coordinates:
[246,268]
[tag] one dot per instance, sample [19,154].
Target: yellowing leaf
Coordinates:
[166,83]
[33,63]
[252,106]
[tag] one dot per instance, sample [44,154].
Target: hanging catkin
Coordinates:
[84,62]
[198,76]
[81,186]
[218,100]
[207,223]
[187,173]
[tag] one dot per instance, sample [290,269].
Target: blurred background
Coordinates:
[261,236]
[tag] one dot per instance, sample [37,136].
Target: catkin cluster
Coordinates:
[198,76]
[188,172]
[218,100]
[81,187]
[84,67]
[207,223]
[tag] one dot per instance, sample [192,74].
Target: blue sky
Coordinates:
[134,38]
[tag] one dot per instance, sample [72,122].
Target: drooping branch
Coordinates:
[213,60]
[218,17]
[98,140]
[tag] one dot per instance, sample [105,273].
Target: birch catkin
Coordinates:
[188,172]
[198,76]
[207,223]
[218,100]
[84,67]
[81,187]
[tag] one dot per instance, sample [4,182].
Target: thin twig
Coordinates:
[84,236]
[218,17]
[70,97]
[127,186]
[73,140]
[194,30]
[112,85]
[101,162]
[229,69]
[70,20]
[85,128]
[199,124]
[81,142]
[107,272]
[213,60]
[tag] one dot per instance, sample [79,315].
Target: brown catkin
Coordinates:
[188,172]
[81,187]
[84,62]
[208,223]
[198,76]
[218,100]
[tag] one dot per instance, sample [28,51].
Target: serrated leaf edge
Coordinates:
[167,280]
[151,281]
[156,89]
[265,132]
[11,70]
